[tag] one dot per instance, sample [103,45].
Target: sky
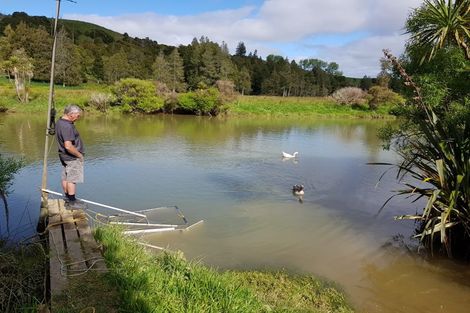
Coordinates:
[351,33]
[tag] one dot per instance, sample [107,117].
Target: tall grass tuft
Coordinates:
[435,148]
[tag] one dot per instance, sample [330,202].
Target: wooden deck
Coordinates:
[73,250]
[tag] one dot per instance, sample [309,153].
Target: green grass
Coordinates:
[168,283]
[39,96]
[301,106]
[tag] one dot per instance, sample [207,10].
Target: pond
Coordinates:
[229,172]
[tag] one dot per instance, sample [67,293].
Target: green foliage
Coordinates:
[201,102]
[448,71]
[439,23]
[383,96]
[135,95]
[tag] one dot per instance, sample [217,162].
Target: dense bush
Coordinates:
[135,95]
[382,95]
[201,102]
[350,96]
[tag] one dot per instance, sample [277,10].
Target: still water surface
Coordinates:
[229,172]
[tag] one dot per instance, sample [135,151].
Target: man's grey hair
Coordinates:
[72,108]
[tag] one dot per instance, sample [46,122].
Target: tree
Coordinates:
[176,70]
[241,49]
[384,76]
[161,69]
[68,70]
[366,82]
[20,65]
[116,67]
[243,81]
[439,23]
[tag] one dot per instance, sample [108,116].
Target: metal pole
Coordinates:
[49,107]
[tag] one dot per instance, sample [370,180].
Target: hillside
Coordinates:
[75,28]
[91,53]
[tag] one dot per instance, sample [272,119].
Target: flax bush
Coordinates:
[434,144]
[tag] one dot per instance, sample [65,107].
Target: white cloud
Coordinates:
[361,57]
[278,22]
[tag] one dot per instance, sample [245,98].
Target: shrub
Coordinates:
[349,96]
[135,95]
[201,102]
[382,95]
[187,102]
[100,101]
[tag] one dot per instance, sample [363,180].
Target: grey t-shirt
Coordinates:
[66,131]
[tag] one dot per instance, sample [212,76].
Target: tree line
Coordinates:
[90,53]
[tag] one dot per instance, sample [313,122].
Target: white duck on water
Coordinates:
[288,155]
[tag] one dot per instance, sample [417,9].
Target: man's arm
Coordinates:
[72,149]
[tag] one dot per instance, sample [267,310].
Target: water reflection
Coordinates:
[229,172]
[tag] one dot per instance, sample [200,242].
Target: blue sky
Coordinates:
[351,33]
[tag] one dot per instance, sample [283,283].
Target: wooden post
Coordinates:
[43,214]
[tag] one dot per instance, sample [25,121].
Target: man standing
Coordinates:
[71,151]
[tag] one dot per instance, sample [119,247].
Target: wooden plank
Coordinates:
[57,249]
[90,247]
[58,281]
[70,241]
[73,246]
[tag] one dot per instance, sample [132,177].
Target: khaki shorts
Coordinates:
[73,171]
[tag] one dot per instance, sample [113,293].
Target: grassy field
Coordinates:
[301,106]
[166,282]
[243,106]
[39,96]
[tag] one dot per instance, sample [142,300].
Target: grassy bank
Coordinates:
[243,106]
[302,106]
[168,283]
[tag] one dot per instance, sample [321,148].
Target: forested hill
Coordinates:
[90,53]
